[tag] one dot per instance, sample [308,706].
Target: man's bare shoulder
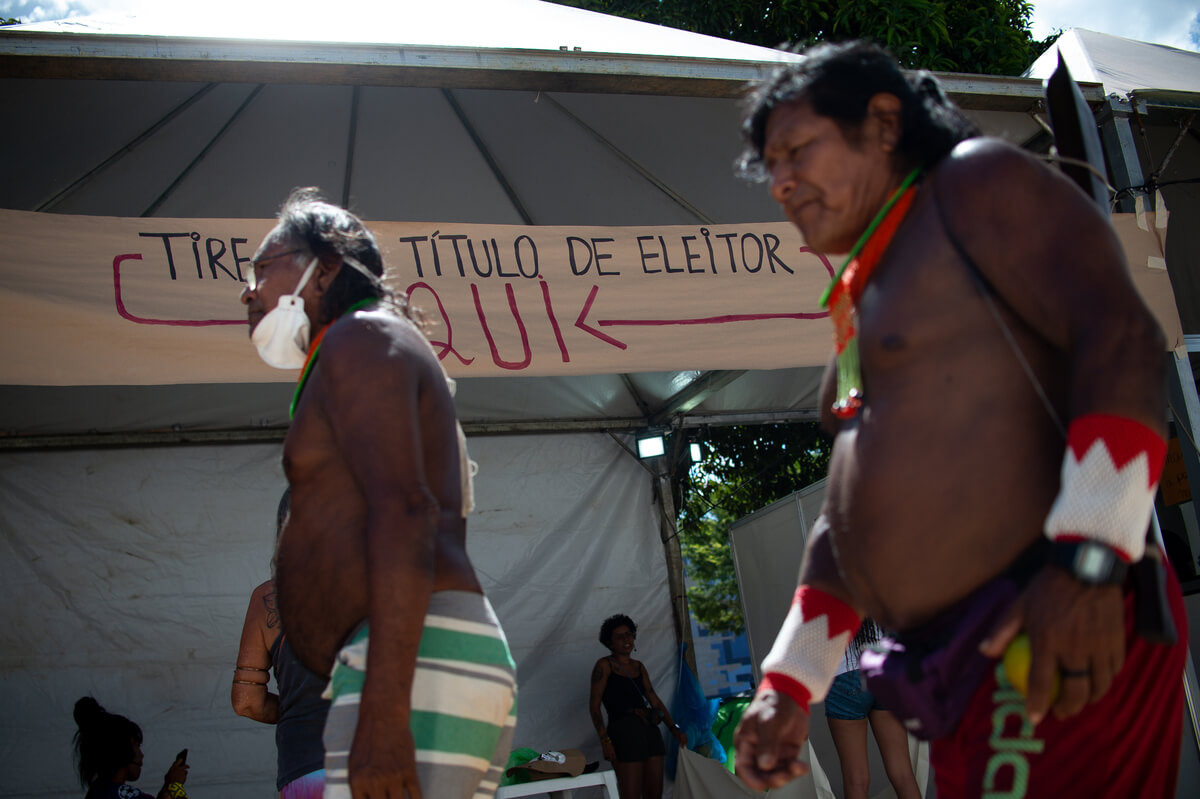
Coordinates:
[986,167]
[371,336]
[1032,209]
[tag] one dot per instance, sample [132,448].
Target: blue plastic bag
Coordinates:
[694,713]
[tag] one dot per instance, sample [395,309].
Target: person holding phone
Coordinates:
[108,754]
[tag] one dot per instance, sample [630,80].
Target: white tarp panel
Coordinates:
[768,547]
[126,574]
[1121,65]
[701,778]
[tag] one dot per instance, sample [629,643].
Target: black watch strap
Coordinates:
[1090,562]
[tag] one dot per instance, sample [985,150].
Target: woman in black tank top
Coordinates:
[631,739]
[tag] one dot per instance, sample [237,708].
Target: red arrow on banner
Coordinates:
[587,306]
[706,320]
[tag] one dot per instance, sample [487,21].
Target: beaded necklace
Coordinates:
[314,349]
[847,286]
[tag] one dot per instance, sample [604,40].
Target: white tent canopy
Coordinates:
[462,24]
[1122,66]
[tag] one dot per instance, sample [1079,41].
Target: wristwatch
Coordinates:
[1090,562]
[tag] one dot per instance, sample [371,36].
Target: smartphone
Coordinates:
[182,756]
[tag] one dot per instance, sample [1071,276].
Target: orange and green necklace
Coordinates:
[847,286]
[314,349]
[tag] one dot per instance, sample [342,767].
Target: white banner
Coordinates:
[107,301]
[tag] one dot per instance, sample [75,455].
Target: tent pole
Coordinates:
[669,533]
[351,141]
[257,435]
[637,396]
[1184,405]
[695,393]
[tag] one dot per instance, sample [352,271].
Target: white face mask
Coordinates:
[282,334]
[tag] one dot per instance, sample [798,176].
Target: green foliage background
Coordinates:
[979,36]
[744,469]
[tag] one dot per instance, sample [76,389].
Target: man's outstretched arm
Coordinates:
[798,671]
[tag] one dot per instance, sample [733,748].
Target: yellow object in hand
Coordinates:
[1017,659]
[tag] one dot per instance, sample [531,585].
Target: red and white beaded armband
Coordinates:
[810,646]
[1110,472]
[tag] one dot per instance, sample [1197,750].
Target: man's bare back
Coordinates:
[350,405]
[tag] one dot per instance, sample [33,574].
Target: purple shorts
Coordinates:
[310,786]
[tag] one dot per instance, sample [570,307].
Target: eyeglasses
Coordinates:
[253,280]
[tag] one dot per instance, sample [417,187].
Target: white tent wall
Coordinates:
[127,573]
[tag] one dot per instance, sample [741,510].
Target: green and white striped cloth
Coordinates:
[464,707]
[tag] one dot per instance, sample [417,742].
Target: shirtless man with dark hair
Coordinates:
[997,406]
[375,547]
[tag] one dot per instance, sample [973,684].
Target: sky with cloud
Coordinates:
[1171,22]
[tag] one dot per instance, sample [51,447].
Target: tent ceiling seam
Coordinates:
[488,158]
[629,160]
[154,206]
[695,393]
[266,435]
[79,182]
[637,395]
[351,143]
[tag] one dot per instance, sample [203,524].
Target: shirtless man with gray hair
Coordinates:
[374,583]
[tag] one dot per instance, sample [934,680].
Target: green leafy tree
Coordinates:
[744,469]
[9,21]
[978,36]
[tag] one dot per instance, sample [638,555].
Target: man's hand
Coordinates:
[383,759]
[768,741]
[1075,630]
